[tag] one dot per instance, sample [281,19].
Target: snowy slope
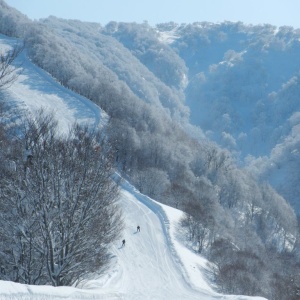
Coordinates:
[153,264]
[35,89]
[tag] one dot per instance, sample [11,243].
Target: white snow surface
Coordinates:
[154,264]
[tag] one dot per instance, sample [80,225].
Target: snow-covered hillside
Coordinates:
[154,264]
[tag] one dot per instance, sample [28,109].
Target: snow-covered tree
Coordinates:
[58,206]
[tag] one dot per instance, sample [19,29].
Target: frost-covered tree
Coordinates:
[58,206]
[12,22]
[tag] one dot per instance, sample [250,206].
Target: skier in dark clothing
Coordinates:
[123,243]
[138,229]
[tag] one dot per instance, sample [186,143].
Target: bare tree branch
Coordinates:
[8,72]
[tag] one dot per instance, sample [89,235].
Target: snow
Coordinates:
[168,37]
[154,264]
[35,89]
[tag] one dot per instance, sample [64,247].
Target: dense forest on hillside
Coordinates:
[203,117]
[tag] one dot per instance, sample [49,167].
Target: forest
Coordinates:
[202,117]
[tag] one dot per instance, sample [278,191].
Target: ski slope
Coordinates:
[153,264]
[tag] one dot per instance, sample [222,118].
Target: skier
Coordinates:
[123,243]
[138,229]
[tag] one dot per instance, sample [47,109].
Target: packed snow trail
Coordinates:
[145,267]
[148,267]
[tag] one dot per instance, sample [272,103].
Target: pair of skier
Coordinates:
[138,229]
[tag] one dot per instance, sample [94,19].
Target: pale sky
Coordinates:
[275,12]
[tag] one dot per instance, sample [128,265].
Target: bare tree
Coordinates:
[198,221]
[9,72]
[62,205]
